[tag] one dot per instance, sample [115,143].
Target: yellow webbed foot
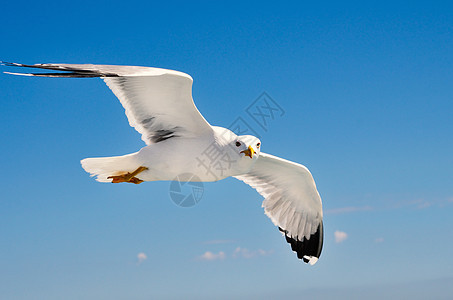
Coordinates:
[128,177]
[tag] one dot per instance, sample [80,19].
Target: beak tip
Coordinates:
[249,152]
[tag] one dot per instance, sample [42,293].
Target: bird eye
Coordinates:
[238,144]
[258,145]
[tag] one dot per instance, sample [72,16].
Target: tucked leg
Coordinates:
[128,177]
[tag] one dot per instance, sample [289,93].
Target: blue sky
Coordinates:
[368,99]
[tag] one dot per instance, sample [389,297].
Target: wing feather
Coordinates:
[291,201]
[158,102]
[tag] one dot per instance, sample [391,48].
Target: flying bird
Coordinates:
[159,105]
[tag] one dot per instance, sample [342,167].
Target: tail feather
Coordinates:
[103,167]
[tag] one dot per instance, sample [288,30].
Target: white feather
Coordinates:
[290,194]
[103,167]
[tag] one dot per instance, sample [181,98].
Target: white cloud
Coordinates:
[213,256]
[418,204]
[348,209]
[237,253]
[340,236]
[141,257]
[214,242]
[424,204]
[246,253]
[379,240]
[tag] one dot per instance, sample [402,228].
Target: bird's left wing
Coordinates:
[158,102]
[291,202]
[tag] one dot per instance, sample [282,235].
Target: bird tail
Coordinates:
[103,167]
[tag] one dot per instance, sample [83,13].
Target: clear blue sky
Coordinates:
[367,90]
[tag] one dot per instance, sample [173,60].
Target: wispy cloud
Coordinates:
[246,253]
[237,253]
[212,256]
[408,204]
[340,236]
[348,209]
[418,203]
[141,257]
[215,242]
[379,240]
[422,203]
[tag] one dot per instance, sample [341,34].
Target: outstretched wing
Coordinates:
[158,102]
[291,201]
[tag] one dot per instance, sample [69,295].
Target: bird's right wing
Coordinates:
[291,201]
[158,102]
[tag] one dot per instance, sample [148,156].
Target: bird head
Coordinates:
[238,153]
[248,146]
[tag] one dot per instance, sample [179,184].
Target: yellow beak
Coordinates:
[249,152]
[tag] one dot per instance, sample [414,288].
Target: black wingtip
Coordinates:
[308,250]
[14,64]
[11,64]
[62,71]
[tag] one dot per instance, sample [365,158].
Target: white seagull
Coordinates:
[180,141]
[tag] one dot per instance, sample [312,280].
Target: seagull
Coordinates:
[181,144]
